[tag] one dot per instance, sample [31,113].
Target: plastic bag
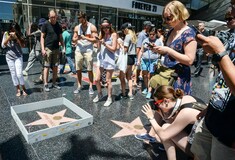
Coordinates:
[122,61]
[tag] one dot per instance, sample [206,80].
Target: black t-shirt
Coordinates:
[221,124]
[52,37]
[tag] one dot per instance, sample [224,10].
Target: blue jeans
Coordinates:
[70,62]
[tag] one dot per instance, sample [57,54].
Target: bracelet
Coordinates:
[151,118]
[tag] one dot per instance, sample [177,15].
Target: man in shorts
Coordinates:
[50,37]
[84,36]
[141,37]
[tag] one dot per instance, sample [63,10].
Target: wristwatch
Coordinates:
[219,56]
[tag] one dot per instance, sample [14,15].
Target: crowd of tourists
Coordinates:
[161,57]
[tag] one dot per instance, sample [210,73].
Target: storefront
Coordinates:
[25,12]
[119,11]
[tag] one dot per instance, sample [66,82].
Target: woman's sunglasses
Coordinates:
[158,102]
[168,18]
[105,27]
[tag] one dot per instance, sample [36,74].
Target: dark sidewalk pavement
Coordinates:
[94,142]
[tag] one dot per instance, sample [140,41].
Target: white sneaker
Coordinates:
[98,98]
[91,91]
[76,91]
[108,102]
[25,73]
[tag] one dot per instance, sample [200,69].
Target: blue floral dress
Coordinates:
[184,73]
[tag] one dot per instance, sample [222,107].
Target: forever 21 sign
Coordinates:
[144,6]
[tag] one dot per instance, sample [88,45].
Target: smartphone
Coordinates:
[196,30]
[97,38]
[149,45]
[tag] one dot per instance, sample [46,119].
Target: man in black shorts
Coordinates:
[50,38]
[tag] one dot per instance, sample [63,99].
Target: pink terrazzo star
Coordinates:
[51,120]
[133,128]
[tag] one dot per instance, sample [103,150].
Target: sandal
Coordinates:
[24,93]
[18,93]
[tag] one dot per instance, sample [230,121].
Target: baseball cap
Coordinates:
[105,20]
[147,23]
[41,21]
[127,25]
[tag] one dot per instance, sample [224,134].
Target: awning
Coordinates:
[213,25]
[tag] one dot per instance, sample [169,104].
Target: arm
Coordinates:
[42,40]
[140,54]
[93,35]
[213,45]
[185,116]
[75,35]
[62,43]
[187,58]
[112,47]
[6,38]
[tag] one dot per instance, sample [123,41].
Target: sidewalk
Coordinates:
[94,142]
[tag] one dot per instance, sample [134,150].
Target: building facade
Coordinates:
[25,12]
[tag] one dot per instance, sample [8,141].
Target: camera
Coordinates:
[152,105]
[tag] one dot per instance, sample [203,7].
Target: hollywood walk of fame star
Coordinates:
[133,128]
[51,120]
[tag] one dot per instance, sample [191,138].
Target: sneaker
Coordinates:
[91,91]
[146,137]
[56,86]
[123,96]
[148,96]
[76,91]
[108,102]
[145,91]
[98,98]
[131,96]
[46,88]
[25,73]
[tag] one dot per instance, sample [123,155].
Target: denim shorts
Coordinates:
[148,65]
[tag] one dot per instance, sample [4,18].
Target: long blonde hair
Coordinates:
[133,35]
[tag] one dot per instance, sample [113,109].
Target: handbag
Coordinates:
[122,61]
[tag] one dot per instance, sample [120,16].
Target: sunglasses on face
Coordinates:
[228,19]
[158,102]
[168,18]
[105,27]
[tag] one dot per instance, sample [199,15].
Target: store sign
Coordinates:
[144,6]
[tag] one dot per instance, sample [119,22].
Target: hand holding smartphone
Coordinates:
[97,38]
[149,45]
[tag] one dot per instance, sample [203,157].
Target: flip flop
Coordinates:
[18,93]
[24,93]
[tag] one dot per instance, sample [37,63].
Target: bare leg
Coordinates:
[129,78]
[54,76]
[99,71]
[90,75]
[145,77]
[123,82]
[18,91]
[45,75]
[109,82]
[79,78]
